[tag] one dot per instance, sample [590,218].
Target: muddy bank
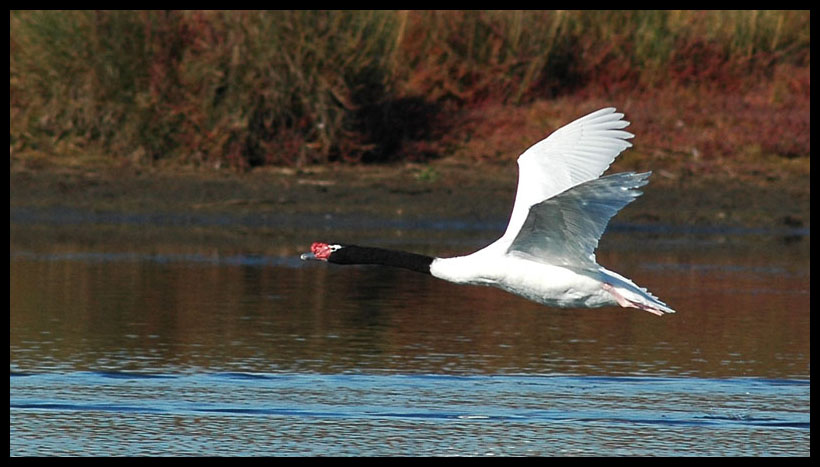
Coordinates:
[445,189]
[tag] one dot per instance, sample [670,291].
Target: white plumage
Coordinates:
[561,210]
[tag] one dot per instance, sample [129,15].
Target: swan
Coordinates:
[562,207]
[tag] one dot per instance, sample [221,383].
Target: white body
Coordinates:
[541,283]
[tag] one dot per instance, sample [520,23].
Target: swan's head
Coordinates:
[321,251]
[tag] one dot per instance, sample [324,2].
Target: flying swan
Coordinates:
[562,207]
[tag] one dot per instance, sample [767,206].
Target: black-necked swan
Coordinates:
[561,209]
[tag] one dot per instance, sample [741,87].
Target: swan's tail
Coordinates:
[629,295]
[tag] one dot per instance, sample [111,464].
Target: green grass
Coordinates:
[244,89]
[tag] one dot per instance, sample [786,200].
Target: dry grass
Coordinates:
[708,90]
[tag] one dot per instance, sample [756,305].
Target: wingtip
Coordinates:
[606,119]
[605,110]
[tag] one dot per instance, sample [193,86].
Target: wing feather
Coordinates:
[576,153]
[564,230]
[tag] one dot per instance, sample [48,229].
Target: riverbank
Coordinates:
[448,188]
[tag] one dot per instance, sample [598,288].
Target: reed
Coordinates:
[245,89]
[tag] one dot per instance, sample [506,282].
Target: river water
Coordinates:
[206,336]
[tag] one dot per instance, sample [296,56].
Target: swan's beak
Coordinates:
[319,251]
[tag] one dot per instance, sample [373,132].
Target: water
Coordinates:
[405,414]
[166,339]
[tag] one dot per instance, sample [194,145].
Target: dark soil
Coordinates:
[444,189]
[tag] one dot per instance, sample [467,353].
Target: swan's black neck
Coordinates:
[352,254]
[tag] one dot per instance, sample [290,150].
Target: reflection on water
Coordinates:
[356,414]
[95,310]
[102,301]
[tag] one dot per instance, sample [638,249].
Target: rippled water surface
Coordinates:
[181,340]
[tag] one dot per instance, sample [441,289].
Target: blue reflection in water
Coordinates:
[574,409]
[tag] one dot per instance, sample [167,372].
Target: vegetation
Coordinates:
[244,89]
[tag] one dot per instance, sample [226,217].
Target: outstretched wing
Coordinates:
[573,154]
[565,229]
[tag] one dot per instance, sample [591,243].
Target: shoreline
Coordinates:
[443,189]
